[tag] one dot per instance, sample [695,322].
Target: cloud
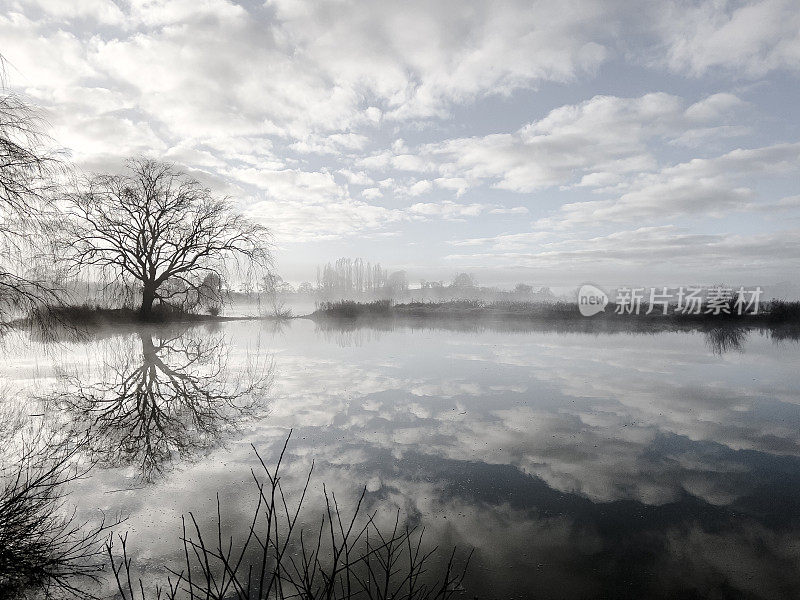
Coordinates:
[301,206]
[694,138]
[516,210]
[748,38]
[296,221]
[43,64]
[371,193]
[104,12]
[505,242]
[710,186]
[305,206]
[331,108]
[419,58]
[647,253]
[356,178]
[94,138]
[597,140]
[420,187]
[336,143]
[715,106]
[202,68]
[446,210]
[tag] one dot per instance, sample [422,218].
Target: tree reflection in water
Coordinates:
[721,340]
[163,398]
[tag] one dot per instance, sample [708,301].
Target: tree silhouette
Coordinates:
[348,277]
[173,401]
[28,174]
[464,281]
[160,229]
[397,282]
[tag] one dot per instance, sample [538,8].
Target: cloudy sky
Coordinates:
[649,143]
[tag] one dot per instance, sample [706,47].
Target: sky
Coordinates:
[554,143]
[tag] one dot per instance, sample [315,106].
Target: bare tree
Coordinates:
[160,229]
[28,177]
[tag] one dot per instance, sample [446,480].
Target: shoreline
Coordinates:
[77,316]
[782,322]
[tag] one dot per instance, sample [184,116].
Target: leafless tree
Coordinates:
[28,178]
[160,229]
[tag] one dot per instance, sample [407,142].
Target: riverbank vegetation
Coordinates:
[281,555]
[773,313]
[45,550]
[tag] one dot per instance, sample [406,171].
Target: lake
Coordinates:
[576,465]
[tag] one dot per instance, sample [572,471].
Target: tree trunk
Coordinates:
[148,297]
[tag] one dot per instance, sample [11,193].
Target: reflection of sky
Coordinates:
[617,465]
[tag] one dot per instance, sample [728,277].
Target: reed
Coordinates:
[344,557]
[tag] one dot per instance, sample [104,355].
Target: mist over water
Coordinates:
[620,465]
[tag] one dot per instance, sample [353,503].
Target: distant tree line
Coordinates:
[354,277]
[357,278]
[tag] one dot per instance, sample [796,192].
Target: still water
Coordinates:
[576,465]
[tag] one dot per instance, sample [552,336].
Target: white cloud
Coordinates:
[95,138]
[397,101]
[42,64]
[420,187]
[598,140]
[371,193]
[515,210]
[104,12]
[506,241]
[750,38]
[713,107]
[420,57]
[710,186]
[336,143]
[446,209]
[457,184]
[694,138]
[646,252]
[356,178]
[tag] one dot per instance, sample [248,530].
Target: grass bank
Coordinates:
[92,315]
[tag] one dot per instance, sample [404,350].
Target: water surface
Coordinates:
[576,465]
